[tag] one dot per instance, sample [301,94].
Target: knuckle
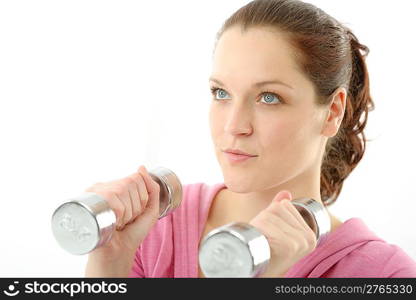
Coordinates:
[124,183]
[144,196]
[305,245]
[135,177]
[119,189]
[309,241]
[128,181]
[312,241]
[294,246]
[135,183]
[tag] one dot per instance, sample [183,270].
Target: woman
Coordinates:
[291,92]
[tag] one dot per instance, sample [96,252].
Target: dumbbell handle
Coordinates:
[86,222]
[240,250]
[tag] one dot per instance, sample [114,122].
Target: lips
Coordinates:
[238,152]
[236,158]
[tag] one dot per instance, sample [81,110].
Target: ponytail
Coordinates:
[345,150]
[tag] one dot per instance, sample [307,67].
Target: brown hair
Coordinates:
[330,56]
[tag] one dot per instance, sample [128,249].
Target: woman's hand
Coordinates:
[135,202]
[289,236]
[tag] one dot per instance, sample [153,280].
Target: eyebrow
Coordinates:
[257,84]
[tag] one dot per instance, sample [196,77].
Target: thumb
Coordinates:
[282,195]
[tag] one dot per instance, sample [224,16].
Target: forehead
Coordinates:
[259,50]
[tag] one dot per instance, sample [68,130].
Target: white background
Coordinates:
[90,90]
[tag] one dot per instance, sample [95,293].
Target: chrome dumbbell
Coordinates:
[240,250]
[86,222]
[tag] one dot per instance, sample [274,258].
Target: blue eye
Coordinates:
[268,96]
[221,92]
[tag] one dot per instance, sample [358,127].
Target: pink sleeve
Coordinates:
[137,269]
[399,265]
[375,259]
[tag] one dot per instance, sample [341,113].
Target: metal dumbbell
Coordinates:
[240,250]
[86,222]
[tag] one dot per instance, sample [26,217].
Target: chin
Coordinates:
[238,186]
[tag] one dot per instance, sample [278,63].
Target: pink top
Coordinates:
[352,250]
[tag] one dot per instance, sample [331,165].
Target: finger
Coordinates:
[135,199]
[153,190]
[278,207]
[311,234]
[150,213]
[119,216]
[297,215]
[123,194]
[284,211]
[270,224]
[285,194]
[144,192]
[140,191]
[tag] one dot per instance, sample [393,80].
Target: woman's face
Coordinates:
[278,122]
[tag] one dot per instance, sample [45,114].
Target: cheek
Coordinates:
[212,116]
[215,122]
[281,135]
[288,145]
[296,128]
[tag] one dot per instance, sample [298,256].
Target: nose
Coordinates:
[238,120]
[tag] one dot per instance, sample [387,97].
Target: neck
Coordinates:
[244,206]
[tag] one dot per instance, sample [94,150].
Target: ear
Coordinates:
[335,114]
